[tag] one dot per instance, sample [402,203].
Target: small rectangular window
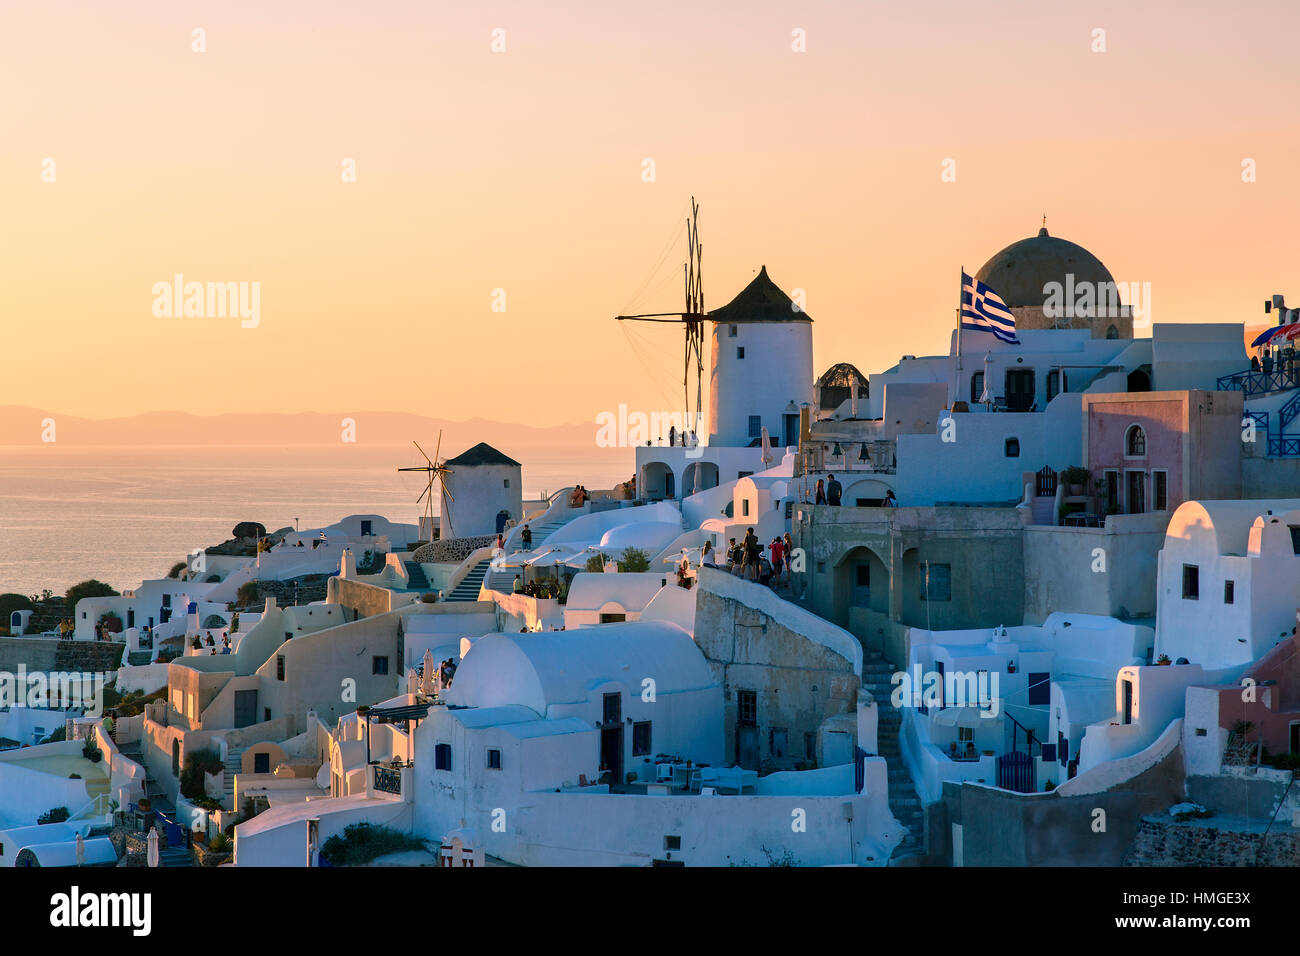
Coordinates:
[507,483]
[674,842]
[266,713]
[1012,448]
[810,747]
[747,707]
[612,618]
[379,664]
[740,351]
[279,667]
[1191,582]
[494,759]
[1200,731]
[731,331]
[613,708]
[641,739]
[442,757]
[744,508]
[755,428]
[1228,588]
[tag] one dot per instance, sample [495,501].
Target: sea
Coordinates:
[125,514]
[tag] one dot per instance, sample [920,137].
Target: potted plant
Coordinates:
[1076,479]
[1163,660]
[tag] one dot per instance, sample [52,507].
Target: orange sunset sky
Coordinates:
[522,171]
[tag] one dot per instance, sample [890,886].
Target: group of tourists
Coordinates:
[753,561]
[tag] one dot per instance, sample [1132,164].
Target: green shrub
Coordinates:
[14,602]
[634,561]
[90,750]
[197,764]
[177,568]
[597,563]
[362,842]
[53,815]
[85,589]
[248,594]
[1076,475]
[219,843]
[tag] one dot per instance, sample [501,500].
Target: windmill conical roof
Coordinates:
[760,301]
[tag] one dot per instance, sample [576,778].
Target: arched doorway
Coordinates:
[1139,380]
[176,757]
[657,481]
[699,476]
[861,581]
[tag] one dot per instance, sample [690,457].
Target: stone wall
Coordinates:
[1202,843]
[52,654]
[1002,828]
[452,550]
[799,682]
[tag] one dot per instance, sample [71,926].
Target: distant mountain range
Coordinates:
[22,425]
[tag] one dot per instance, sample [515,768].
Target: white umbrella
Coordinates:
[152,855]
[767,448]
[81,850]
[580,559]
[986,397]
[691,554]
[548,558]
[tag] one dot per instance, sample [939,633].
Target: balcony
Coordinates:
[1253,383]
[388,780]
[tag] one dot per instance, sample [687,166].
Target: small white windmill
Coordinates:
[436,472]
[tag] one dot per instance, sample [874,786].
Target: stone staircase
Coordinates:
[179,855]
[234,765]
[904,802]
[417,580]
[543,531]
[1042,510]
[468,588]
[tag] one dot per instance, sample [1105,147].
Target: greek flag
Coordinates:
[982,310]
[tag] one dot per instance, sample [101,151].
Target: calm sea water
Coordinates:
[123,515]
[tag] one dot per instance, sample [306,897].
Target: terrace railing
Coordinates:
[388,780]
[1260,383]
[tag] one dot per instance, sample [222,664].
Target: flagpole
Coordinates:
[956,385]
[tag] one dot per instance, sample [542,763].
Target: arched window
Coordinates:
[1112,333]
[1135,442]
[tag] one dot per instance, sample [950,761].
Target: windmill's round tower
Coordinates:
[478,488]
[761,370]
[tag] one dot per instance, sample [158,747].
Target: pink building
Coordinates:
[1151,451]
